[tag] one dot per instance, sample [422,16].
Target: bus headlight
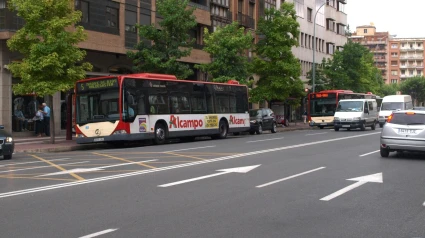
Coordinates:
[79,135]
[119,132]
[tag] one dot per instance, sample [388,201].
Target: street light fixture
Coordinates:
[314,44]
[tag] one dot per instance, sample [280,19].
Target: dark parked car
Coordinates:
[262,119]
[6,144]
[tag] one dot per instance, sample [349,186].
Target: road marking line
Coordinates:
[20,177]
[32,162]
[58,167]
[39,167]
[290,177]
[316,134]
[186,156]
[373,152]
[111,177]
[195,148]
[253,141]
[125,160]
[99,233]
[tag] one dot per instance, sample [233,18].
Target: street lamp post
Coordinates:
[314,45]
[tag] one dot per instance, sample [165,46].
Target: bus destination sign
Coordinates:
[97,85]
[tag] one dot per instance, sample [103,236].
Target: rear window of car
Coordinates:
[408,119]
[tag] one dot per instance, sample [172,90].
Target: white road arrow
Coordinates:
[242,170]
[373,178]
[85,170]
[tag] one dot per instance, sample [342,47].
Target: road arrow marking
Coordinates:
[85,170]
[373,178]
[242,170]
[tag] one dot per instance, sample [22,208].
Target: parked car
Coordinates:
[262,119]
[7,145]
[404,131]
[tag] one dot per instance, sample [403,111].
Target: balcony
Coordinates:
[246,21]
[380,59]
[378,50]
[374,42]
[412,49]
[200,4]
[406,76]
[227,18]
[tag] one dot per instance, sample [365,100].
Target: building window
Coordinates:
[309,14]
[302,40]
[2,14]
[394,72]
[403,72]
[270,4]
[330,48]
[341,7]
[240,6]
[419,72]
[410,72]
[130,21]
[299,8]
[82,6]
[331,3]
[394,54]
[330,25]
[112,17]
[394,46]
[393,80]
[341,29]
[393,63]
[251,9]
[364,30]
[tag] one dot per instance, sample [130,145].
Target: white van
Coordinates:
[356,113]
[393,103]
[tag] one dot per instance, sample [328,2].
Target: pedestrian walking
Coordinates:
[38,118]
[305,117]
[46,114]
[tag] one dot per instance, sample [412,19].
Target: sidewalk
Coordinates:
[42,144]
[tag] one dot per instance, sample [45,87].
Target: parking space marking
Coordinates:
[39,167]
[290,177]
[195,148]
[32,162]
[58,167]
[125,160]
[373,152]
[34,178]
[186,156]
[253,141]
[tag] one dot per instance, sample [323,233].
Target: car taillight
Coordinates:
[390,118]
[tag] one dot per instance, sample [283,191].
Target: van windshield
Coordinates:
[350,106]
[391,106]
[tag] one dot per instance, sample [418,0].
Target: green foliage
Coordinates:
[50,53]
[389,89]
[415,87]
[170,43]
[227,46]
[352,69]
[321,81]
[277,67]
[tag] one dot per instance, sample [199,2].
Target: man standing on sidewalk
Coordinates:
[46,112]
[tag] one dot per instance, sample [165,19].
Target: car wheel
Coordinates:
[373,126]
[384,152]
[7,157]
[160,134]
[274,128]
[260,130]
[252,132]
[321,127]
[363,127]
[381,125]
[336,128]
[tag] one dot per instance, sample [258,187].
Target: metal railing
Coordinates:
[246,20]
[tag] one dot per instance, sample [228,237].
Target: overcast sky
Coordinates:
[402,18]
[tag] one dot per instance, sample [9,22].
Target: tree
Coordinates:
[352,69]
[171,41]
[321,81]
[227,46]
[389,89]
[415,87]
[51,59]
[278,69]
[348,31]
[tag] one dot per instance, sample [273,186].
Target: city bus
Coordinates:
[322,105]
[157,107]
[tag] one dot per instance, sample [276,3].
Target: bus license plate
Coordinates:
[323,124]
[98,139]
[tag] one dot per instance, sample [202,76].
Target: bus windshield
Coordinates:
[98,106]
[350,106]
[322,107]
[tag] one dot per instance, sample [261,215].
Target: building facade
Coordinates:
[110,26]
[378,44]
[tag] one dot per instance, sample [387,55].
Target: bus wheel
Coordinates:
[160,134]
[222,127]
[321,127]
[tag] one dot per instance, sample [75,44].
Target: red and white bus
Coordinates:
[322,105]
[157,106]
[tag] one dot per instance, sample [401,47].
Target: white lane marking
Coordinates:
[241,170]
[32,162]
[253,141]
[316,134]
[290,177]
[372,178]
[373,152]
[99,233]
[194,148]
[85,170]
[39,167]
[87,181]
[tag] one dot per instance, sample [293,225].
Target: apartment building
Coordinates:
[378,44]
[406,58]
[329,35]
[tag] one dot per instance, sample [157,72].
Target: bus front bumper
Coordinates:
[112,138]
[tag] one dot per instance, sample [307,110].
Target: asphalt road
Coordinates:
[291,184]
